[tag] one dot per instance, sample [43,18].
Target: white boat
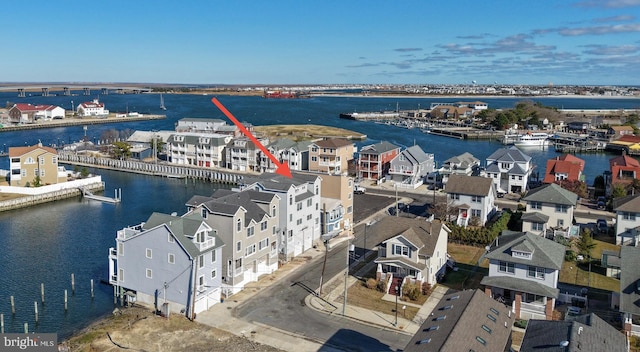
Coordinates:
[162,103]
[531,139]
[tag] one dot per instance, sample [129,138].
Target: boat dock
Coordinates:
[466,133]
[572,143]
[87,194]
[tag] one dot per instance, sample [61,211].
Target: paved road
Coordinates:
[282,306]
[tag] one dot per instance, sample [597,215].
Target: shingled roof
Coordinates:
[552,193]
[469,185]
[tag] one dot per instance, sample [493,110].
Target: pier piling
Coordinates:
[73,284]
[1,323]
[91,288]
[26,328]
[13,306]
[35,308]
[65,300]
[42,292]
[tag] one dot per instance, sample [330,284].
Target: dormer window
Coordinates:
[201,236]
[521,254]
[398,249]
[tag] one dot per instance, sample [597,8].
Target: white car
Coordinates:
[359,190]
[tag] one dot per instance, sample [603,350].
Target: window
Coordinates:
[29,160]
[629,216]
[494,311]
[239,246]
[491,317]
[476,199]
[309,217]
[519,178]
[120,248]
[400,250]
[213,274]
[263,244]
[481,340]
[561,208]
[250,250]
[213,256]
[201,281]
[309,202]
[170,238]
[507,267]
[432,328]
[476,212]
[250,231]
[314,158]
[536,205]
[486,328]
[274,230]
[120,274]
[535,272]
[536,226]
[238,225]
[148,253]
[200,236]
[204,213]
[171,258]
[349,209]
[299,206]
[273,211]
[454,196]
[42,172]
[148,274]
[299,222]
[290,200]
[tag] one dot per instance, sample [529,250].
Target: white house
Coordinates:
[206,150]
[295,154]
[627,220]
[474,198]
[415,250]
[92,108]
[463,164]
[549,207]
[523,272]
[509,168]
[299,223]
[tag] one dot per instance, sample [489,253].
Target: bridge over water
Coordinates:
[66,89]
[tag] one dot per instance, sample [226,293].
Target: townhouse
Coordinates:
[208,150]
[247,222]
[374,160]
[331,155]
[295,154]
[299,213]
[168,262]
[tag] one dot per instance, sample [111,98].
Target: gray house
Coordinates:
[411,166]
[463,164]
[295,154]
[523,272]
[169,262]
[630,288]
[550,211]
[247,222]
[299,224]
[586,333]
[465,321]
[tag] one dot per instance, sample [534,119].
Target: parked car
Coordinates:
[602,202]
[601,225]
[359,190]
[392,210]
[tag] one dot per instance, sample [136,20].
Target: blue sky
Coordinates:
[593,42]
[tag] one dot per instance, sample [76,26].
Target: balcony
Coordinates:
[113,253]
[329,163]
[113,279]
[206,244]
[533,307]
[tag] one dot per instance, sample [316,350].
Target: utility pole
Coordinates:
[397,293]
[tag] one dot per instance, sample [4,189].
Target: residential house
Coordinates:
[451,112]
[331,156]
[92,108]
[523,272]
[206,125]
[578,126]
[27,113]
[610,260]
[549,207]
[627,211]
[247,222]
[463,164]
[624,169]
[147,144]
[336,205]
[584,333]
[374,160]
[169,262]
[473,196]
[411,166]
[465,321]
[630,289]
[34,164]
[565,167]
[299,222]
[208,150]
[242,154]
[295,154]
[415,251]
[616,132]
[509,168]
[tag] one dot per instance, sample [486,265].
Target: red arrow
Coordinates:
[282,168]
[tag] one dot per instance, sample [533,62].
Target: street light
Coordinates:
[397,292]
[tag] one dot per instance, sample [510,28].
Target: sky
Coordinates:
[538,42]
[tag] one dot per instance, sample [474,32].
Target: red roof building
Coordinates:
[565,167]
[28,113]
[624,169]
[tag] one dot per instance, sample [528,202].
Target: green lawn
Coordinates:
[595,276]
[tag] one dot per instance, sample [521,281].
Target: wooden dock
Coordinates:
[118,196]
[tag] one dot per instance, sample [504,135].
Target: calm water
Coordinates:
[46,243]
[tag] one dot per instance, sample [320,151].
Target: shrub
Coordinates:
[570,256]
[412,291]
[371,283]
[426,288]
[521,323]
[382,285]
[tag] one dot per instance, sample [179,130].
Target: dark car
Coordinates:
[602,202]
[601,225]
[392,210]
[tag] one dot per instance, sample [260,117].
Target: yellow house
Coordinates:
[331,155]
[28,163]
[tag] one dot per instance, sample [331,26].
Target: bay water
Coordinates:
[47,243]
